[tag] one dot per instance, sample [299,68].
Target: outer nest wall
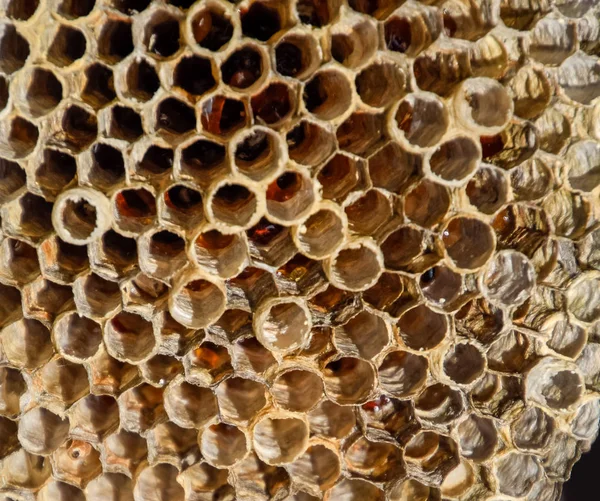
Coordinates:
[305,249]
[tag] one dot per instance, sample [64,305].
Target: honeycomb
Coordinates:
[296,250]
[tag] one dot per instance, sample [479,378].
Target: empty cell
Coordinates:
[13,386]
[309,143]
[365,335]
[564,336]
[469,242]
[134,209]
[421,119]
[129,338]
[328,94]
[349,380]
[161,34]
[584,165]
[115,40]
[422,328]
[223,445]
[483,105]
[380,461]
[189,406]
[222,116]
[401,247]
[64,380]
[455,159]
[194,75]
[368,213]
[114,256]
[441,71]
[78,128]
[241,400]
[124,123]
[319,467]
[290,197]
[14,49]
[297,390]
[513,146]
[261,20]
[297,55]
[160,369]
[109,487]
[258,153]
[203,479]
[204,161]
[19,137]
[18,261]
[98,88]
[43,93]
[321,233]
[402,373]
[81,215]
[516,473]
[555,384]
[62,261]
[211,28]
[220,253]
[393,168]
[12,179]
[280,438]
[141,80]
[243,68]
[488,189]
[156,162]
[44,299]
[441,285]
[163,476]
[331,420]
[283,325]
[69,45]
[427,203]
[354,44]
[55,171]
[361,133]
[77,338]
[533,429]
[141,408]
[340,176]
[273,104]
[41,431]
[182,205]
[270,243]
[464,363]
[356,266]
[356,488]
[162,254]
[21,9]
[233,206]
[381,83]
[197,302]
[26,343]
[509,278]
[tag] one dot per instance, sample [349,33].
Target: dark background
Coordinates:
[584,484]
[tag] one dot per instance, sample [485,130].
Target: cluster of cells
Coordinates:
[339,250]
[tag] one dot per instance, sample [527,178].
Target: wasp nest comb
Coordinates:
[345,250]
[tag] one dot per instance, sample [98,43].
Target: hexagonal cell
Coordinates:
[78,128]
[129,338]
[115,39]
[262,19]
[123,452]
[174,117]
[455,159]
[365,335]
[244,67]
[189,406]
[321,233]
[211,27]
[356,266]
[412,29]
[207,363]
[41,431]
[340,176]
[18,261]
[290,197]
[368,213]
[12,179]
[512,352]
[144,295]
[430,455]
[141,408]
[8,432]
[13,386]
[422,328]
[257,153]
[43,92]
[14,49]
[362,133]
[297,55]
[62,261]
[402,373]
[77,338]
[488,189]
[20,137]
[160,369]
[44,299]
[319,467]
[194,75]
[328,94]
[96,296]
[223,445]
[233,206]
[21,9]
[309,143]
[380,461]
[197,301]
[26,471]
[349,380]
[55,172]
[355,43]
[105,168]
[554,384]
[203,481]
[168,443]
[280,438]
[250,354]
[123,123]
[274,104]
[73,9]
[134,209]
[161,34]
[421,119]
[215,252]
[114,256]
[381,83]
[204,161]
[109,487]
[69,45]
[76,462]
[356,488]
[182,206]
[515,144]
[516,473]
[98,86]
[162,254]
[469,242]
[464,363]
[163,475]
[297,390]
[65,382]
[141,80]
